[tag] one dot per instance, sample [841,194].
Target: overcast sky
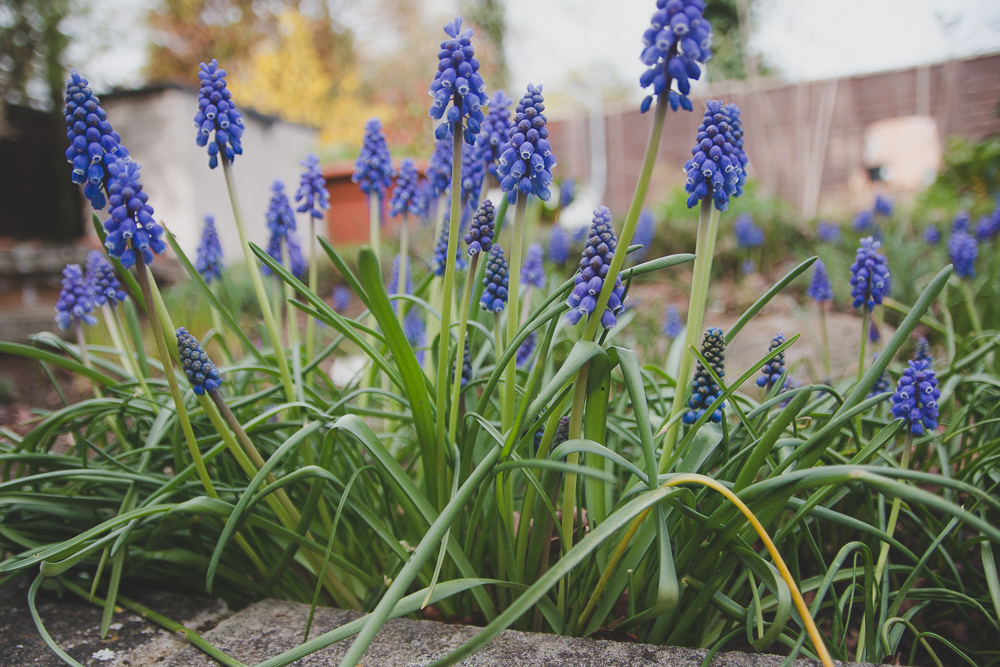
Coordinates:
[553,41]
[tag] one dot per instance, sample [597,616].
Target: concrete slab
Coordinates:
[267,628]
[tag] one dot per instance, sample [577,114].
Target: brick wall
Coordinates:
[805,140]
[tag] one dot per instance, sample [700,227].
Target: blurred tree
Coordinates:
[286,76]
[32,45]
[186,32]
[728,27]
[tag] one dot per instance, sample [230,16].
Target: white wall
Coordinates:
[158,130]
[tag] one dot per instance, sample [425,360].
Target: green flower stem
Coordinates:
[883,554]
[970,305]
[153,307]
[292,320]
[865,314]
[313,282]
[116,340]
[447,295]
[569,487]
[463,323]
[826,339]
[434,297]
[404,259]
[497,335]
[115,324]
[217,325]
[258,285]
[375,225]
[632,218]
[708,229]
[514,282]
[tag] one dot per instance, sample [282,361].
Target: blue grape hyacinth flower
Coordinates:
[280,218]
[217,113]
[672,322]
[916,396]
[482,229]
[341,298]
[93,144]
[473,171]
[718,162]
[101,280]
[883,206]
[394,281]
[312,190]
[932,235]
[881,384]
[864,221]
[495,132]
[676,45]
[439,167]
[559,244]
[961,222]
[704,391]
[567,192]
[874,333]
[645,232]
[533,269]
[199,369]
[828,232]
[130,226]
[413,329]
[209,255]
[772,371]
[76,302]
[525,351]
[748,235]
[458,89]
[373,168]
[922,350]
[441,251]
[495,281]
[964,249]
[820,289]
[988,226]
[406,195]
[526,160]
[594,266]
[869,274]
[295,257]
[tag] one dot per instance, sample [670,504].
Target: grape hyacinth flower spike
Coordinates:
[864,221]
[645,232]
[341,298]
[820,289]
[280,218]
[594,265]
[533,271]
[672,323]
[75,299]
[675,46]
[495,281]
[883,206]
[209,256]
[130,226]
[473,170]
[961,222]
[217,113]
[495,132]
[717,166]
[393,286]
[932,235]
[828,232]
[922,351]
[373,168]
[199,369]
[748,235]
[295,257]
[526,160]
[915,399]
[869,274]
[458,89]
[93,145]
[524,352]
[881,384]
[964,249]
[439,167]
[407,199]
[559,243]
[312,190]
[482,229]
[567,192]
[101,280]
[773,370]
[441,251]
[704,391]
